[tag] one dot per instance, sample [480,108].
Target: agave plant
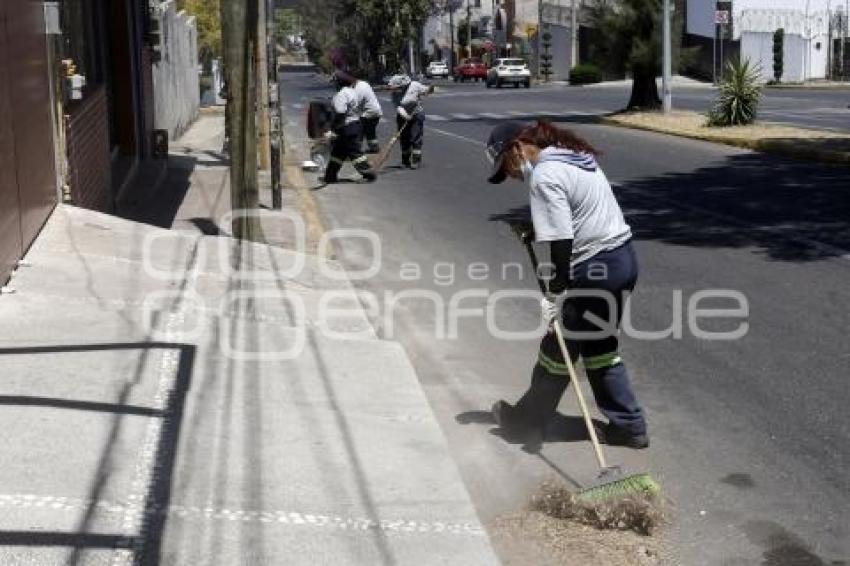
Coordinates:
[738,97]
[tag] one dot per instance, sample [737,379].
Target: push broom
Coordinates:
[612,484]
[381,158]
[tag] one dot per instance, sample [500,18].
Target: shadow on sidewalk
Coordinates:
[144,545]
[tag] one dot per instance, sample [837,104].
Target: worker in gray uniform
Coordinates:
[370,113]
[407,96]
[347,132]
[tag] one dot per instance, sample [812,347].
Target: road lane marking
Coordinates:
[436,118]
[458,116]
[493,115]
[457,136]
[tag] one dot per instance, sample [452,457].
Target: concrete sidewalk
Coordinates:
[177,397]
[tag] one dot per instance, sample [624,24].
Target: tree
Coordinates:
[369,36]
[208,18]
[546,56]
[629,33]
[463,32]
[778,47]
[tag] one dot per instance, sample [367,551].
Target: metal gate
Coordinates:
[27,167]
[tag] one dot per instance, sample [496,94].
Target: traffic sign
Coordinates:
[721,17]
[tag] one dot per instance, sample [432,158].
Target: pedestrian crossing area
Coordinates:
[512,115]
[506,115]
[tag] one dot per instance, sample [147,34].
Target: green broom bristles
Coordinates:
[638,484]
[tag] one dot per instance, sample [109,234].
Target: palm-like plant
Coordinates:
[738,97]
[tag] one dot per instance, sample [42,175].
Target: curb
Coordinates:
[775,147]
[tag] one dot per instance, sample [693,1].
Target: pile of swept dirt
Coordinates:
[556,530]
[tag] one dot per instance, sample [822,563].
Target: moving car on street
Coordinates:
[509,71]
[437,69]
[470,69]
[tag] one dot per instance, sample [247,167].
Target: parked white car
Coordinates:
[437,69]
[510,71]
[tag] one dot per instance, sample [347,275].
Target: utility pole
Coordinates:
[573,34]
[469,27]
[666,77]
[275,108]
[452,36]
[263,86]
[539,36]
[239,39]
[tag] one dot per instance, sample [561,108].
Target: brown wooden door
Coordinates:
[10,212]
[27,166]
[30,96]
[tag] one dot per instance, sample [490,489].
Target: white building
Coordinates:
[806,44]
[806,25]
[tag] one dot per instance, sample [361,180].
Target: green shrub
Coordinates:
[778,47]
[585,74]
[738,96]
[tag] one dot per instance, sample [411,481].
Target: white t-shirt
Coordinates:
[571,199]
[367,102]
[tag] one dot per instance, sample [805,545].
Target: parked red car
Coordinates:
[470,69]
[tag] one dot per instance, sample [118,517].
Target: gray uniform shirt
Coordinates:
[367,102]
[410,98]
[571,199]
[345,102]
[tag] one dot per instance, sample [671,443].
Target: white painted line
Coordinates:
[436,117]
[298,106]
[463,116]
[146,467]
[519,113]
[282,517]
[493,115]
[457,136]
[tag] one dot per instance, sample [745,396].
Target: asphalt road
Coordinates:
[813,107]
[750,437]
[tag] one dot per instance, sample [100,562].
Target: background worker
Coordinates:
[573,209]
[346,132]
[407,96]
[370,114]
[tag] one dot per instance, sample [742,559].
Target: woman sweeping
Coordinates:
[573,209]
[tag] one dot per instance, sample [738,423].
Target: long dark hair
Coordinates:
[544,134]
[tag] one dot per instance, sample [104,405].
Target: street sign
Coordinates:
[721,17]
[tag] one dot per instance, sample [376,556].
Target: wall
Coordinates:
[175,77]
[89,163]
[27,151]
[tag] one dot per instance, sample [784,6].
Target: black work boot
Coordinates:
[416,159]
[332,172]
[372,146]
[405,160]
[366,170]
[614,435]
[514,425]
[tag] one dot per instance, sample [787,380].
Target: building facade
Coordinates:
[749,34]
